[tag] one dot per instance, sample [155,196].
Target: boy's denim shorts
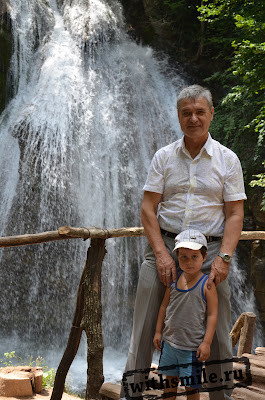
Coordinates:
[181,363]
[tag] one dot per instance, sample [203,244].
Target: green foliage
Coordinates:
[242,110]
[261,179]
[9,359]
[48,373]
[261,183]
[185,27]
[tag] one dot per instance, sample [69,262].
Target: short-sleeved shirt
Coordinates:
[194,190]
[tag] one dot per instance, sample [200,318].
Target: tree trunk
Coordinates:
[92,317]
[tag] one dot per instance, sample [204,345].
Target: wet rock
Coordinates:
[5,50]
[4,7]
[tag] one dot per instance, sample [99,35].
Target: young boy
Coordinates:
[182,317]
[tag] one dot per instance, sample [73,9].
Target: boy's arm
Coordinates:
[160,320]
[203,351]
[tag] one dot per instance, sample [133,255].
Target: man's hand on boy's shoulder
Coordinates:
[218,273]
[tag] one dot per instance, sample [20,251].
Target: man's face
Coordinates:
[195,117]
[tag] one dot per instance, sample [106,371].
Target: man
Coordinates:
[194,183]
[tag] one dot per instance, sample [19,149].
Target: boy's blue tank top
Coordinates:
[186,316]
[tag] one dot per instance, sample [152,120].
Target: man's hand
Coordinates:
[234,213]
[219,271]
[166,268]
[157,341]
[203,352]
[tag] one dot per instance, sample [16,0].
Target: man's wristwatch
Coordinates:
[226,257]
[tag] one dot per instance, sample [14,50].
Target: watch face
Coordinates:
[225,257]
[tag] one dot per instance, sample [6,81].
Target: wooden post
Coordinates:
[72,345]
[235,332]
[247,334]
[88,314]
[92,316]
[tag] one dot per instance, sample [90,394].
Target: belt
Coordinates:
[173,235]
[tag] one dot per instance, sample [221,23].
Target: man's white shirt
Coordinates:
[194,190]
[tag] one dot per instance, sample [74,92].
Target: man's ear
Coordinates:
[205,257]
[212,112]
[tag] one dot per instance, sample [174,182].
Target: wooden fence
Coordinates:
[88,311]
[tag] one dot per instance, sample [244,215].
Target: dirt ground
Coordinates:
[44,395]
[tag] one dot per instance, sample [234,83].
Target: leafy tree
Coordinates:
[182,15]
[261,183]
[242,110]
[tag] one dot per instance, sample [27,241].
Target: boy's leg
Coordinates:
[172,389]
[192,394]
[168,365]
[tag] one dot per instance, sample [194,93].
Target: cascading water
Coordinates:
[89,109]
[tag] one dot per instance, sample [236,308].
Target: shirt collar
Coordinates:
[208,146]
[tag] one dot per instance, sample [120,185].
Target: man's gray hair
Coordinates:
[193,92]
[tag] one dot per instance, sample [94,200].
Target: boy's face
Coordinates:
[190,261]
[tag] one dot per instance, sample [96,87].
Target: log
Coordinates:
[95,232]
[31,238]
[247,334]
[252,235]
[260,351]
[72,344]
[235,332]
[66,232]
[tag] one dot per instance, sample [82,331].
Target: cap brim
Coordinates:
[188,245]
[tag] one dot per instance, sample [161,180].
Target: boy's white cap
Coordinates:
[190,239]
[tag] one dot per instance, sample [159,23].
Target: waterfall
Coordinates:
[89,108]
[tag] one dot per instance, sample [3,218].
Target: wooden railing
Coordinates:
[66,232]
[88,311]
